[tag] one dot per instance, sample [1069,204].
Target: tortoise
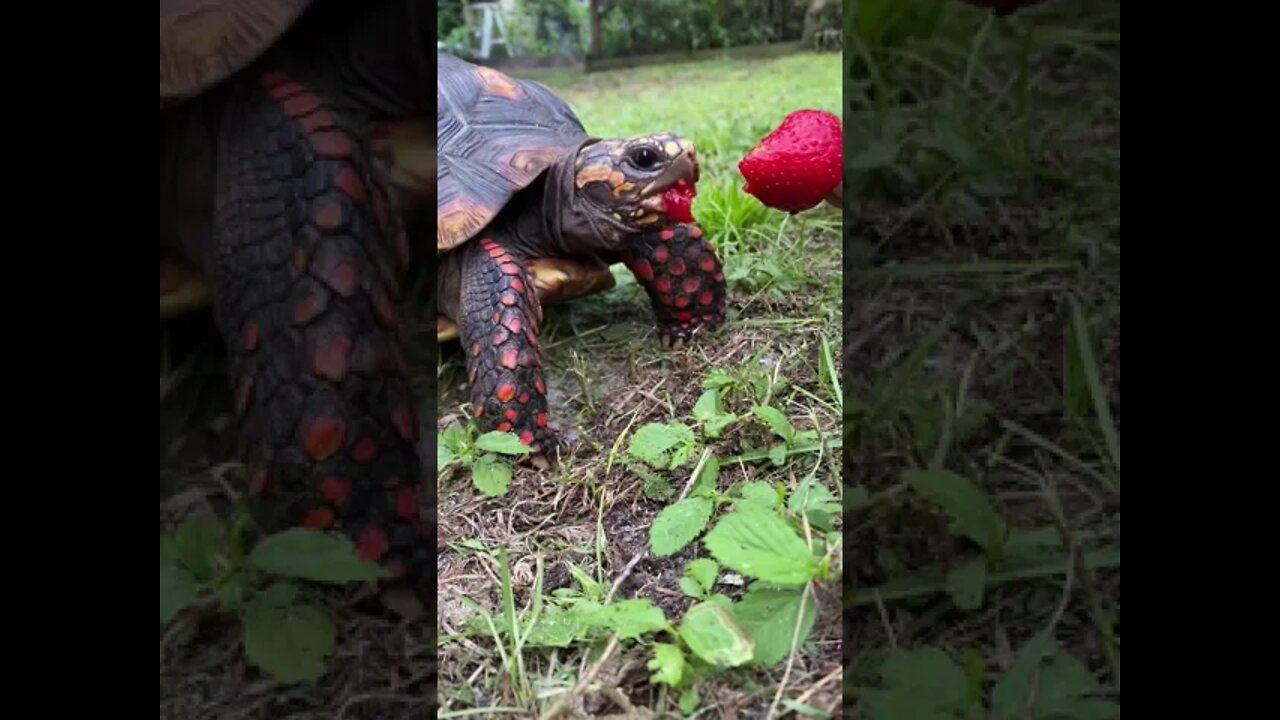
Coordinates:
[531,207]
[276,211]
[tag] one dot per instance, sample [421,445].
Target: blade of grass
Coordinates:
[1094,379]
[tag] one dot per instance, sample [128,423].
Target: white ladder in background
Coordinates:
[490,20]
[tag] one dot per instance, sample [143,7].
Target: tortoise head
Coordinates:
[624,179]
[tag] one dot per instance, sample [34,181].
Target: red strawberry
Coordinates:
[679,201]
[798,165]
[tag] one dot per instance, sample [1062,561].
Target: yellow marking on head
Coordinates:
[594,173]
[623,189]
[672,149]
[494,82]
[648,219]
[687,145]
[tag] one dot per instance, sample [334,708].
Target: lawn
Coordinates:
[982,357]
[745,413]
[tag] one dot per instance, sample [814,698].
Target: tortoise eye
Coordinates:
[644,158]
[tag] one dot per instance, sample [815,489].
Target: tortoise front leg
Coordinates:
[685,281]
[306,263]
[499,316]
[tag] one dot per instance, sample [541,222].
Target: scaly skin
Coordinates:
[684,279]
[500,317]
[306,263]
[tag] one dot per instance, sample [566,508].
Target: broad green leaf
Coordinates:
[631,618]
[811,495]
[708,405]
[502,442]
[690,587]
[178,587]
[760,494]
[717,379]
[677,525]
[444,456]
[770,615]
[778,454]
[688,701]
[313,555]
[662,446]
[558,628]
[590,587]
[288,641]
[712,634]
[1046,683]
[491,476]
[704,571]
[929,671]
[716,425]
[963,501]
[452,438]
[856,497]
[776,421]
[967,584]
[667,664]
[195,545]
[708,480]
[760,544]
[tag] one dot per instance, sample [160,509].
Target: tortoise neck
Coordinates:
[566,222]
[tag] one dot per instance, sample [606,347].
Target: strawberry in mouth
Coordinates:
[678,201]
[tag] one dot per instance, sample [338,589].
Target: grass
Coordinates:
[982,358]
[581,532]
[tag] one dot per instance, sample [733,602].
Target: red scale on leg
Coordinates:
[524,398]
[660,256]
[319,518]
[349,182]
[526,437]
[372,544]
[517,285]
[676,267]
[682,302]
[332,358]
[509,359]
[365,451]
[286,89]
[407,503]
[691,285]
[504,426]
[510,268]
[505,392]
[331,144]
[273,78]
[542,420]
[706,298]
[327,215]
[540,386]
[299,105]
[406,428]
[663,286]
[318,120]
[508,299]
[512,322]
[335,489]
[512,415]
[695,232]
[666,235]
[323,436]
[707,264]
[642,270]
[500,337]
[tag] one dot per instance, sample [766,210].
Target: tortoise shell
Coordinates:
[203,42]
[496,135]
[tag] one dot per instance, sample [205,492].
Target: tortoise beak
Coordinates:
[684,167]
